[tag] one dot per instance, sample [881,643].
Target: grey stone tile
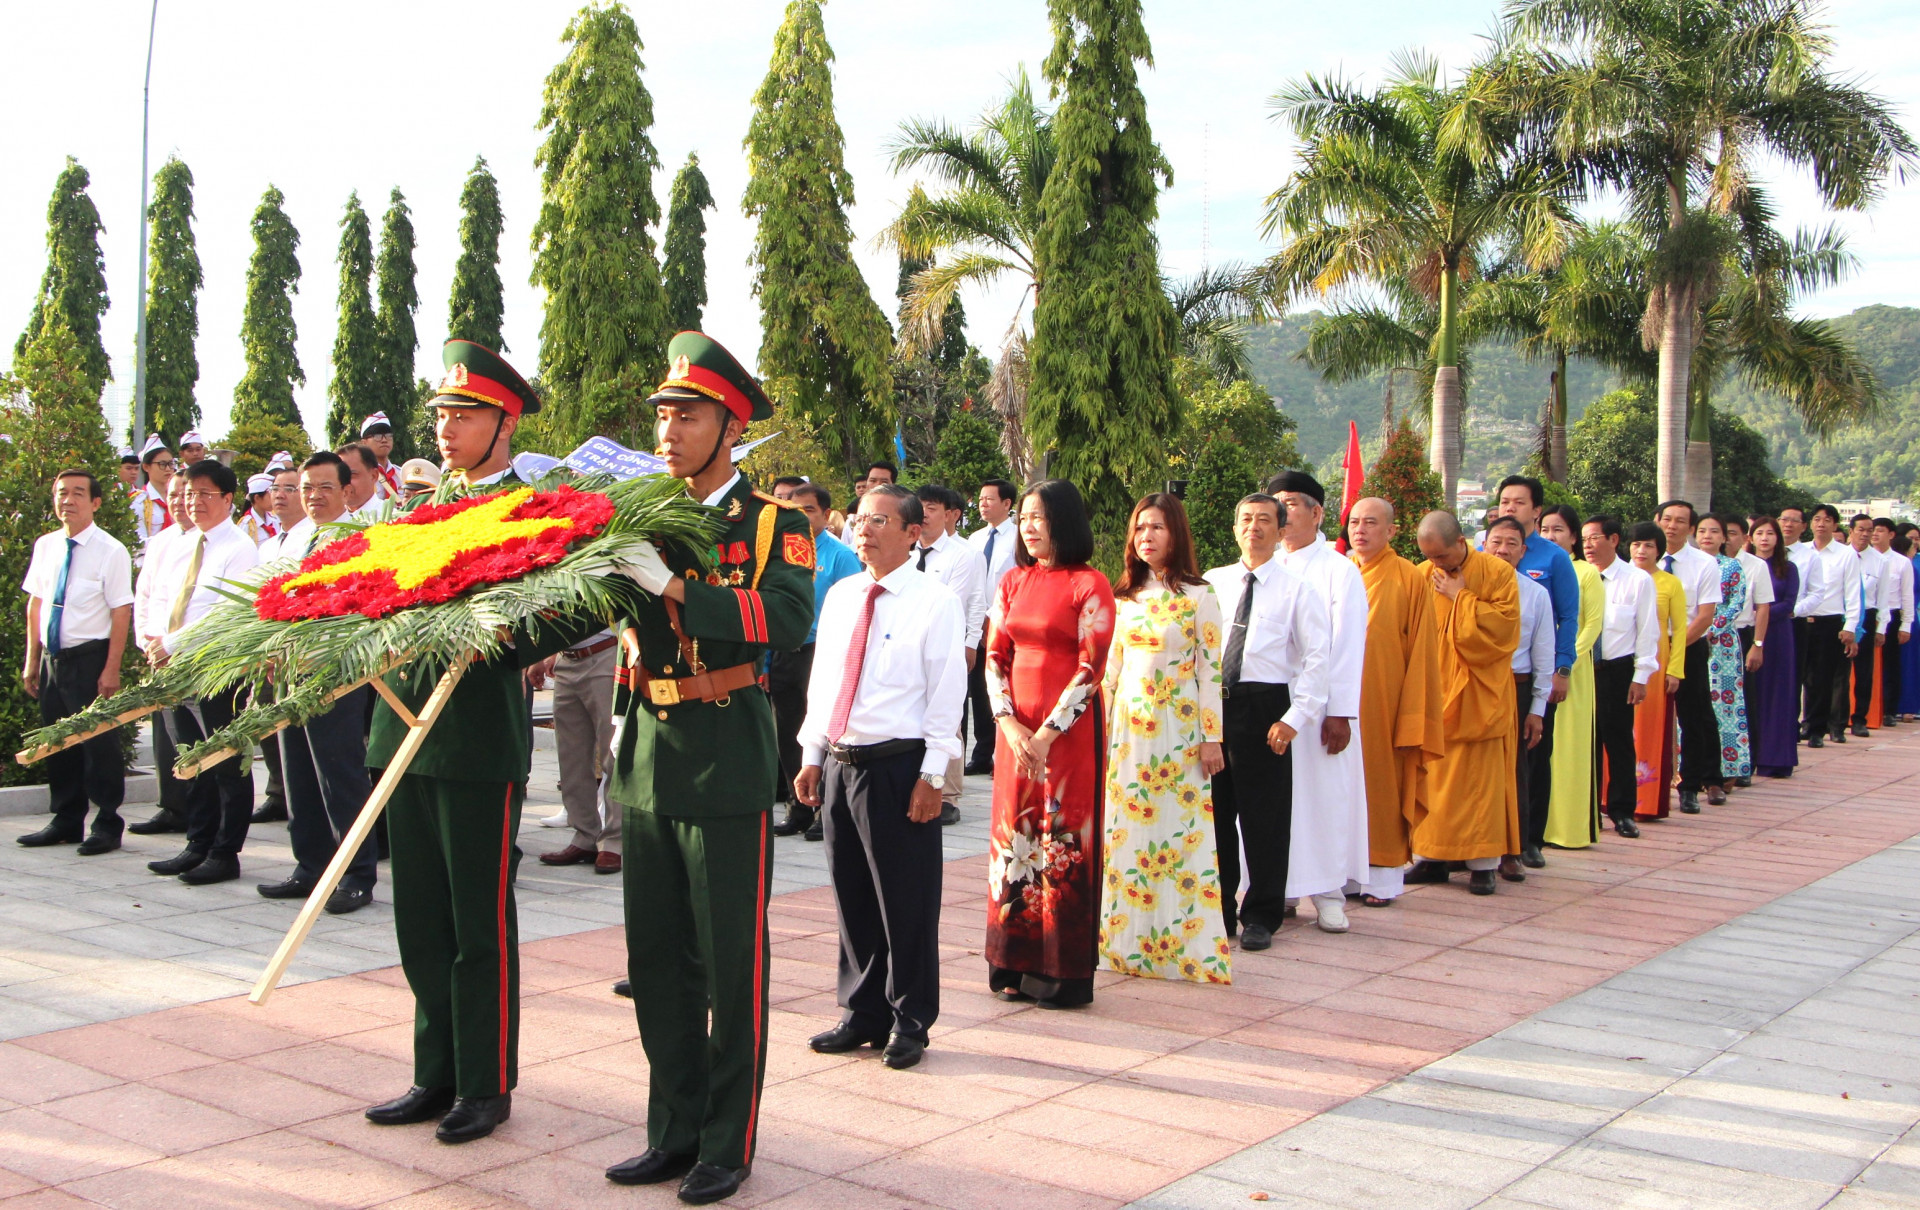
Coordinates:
[1754,1139]
[1662,1055]
[21,1019]
[1414,1155]
[1498,1138]
[1698,1183]
[1336,1183]
[1206,1191]
[138,940]
[1549,1117]
[1559,1076]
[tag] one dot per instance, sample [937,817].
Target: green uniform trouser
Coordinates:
[454,860]
[696,892]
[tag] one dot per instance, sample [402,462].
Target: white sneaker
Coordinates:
[555,821]
[1332,912]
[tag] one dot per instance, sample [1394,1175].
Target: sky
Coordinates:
[326,99]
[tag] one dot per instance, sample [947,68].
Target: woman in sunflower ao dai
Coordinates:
[1160,910]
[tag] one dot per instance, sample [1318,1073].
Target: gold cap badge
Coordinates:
[456,375]
[681,365]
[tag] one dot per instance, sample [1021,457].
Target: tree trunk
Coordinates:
[1699,488]
[1557,436]
[1676,365]
[1444,429]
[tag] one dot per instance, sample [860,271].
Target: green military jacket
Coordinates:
[484,733]
[699,759]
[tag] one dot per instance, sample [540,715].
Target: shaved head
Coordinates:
[1372,506]
[1440,526]
[1370,527]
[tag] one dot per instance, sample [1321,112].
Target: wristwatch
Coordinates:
[1759,642]
[1563,671]
[937,780]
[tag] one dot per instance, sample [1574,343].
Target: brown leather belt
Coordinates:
[701,687]
[589,650]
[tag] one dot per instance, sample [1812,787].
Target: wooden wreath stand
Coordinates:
[417,728]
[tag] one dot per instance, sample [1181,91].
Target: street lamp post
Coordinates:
[140,286]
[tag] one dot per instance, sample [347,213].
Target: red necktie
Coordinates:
[850,671]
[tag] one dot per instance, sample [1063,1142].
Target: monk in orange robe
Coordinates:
[1401,732]
[1473,814]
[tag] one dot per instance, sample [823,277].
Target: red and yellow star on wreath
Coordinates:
[433,554]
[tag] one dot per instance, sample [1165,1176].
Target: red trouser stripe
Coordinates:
[759,984]
[500,927]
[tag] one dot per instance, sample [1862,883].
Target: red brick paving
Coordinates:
[225,1105]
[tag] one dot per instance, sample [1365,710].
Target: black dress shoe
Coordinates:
[815,830]
[1862,733]
[1816,741]
[98,843]
[979,768]
[212,870]
[474,1118]
[347,900]
[1532,858]
[165,821]
[1627,828]
[1256,937]
[52,834]
[710,1183]
[1430,871]
[798,820]
[844,1037]
[1690,802]
[949,815]
[903,1052]
[417,1104]
[179,863]
[270,812]
[293,888]
[651,1167]
[1838,736]
[624,988]
[1481,882]
[1742,783]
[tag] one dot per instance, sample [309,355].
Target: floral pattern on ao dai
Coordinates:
[1726,672]
[1160,912]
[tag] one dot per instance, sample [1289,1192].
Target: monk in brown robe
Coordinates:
[1401,731]
[1473,815]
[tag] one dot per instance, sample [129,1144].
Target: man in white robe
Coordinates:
[1330,841]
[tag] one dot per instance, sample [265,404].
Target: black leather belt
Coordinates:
[861,754]
[1250,688]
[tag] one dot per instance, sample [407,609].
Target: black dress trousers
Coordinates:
[787,676]
[90,772]
[1253,801]
[1613,724]
[325,765]
[1539,791]
[220,801]
[1699,728]
[886,893]
[1825,659]
[1866,659]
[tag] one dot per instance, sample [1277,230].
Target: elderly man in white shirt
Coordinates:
[1628,658]
[1273,682]
[189,574]
[79,588]
[1699,574]
[1329,853]
[882,725]
[995,541]
[1533,662]
[955,563]
[1830,601]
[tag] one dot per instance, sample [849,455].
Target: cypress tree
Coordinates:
[478,303]
[173,307]
[603,339]
[355,385]
[1104,334]
[684,274]
[398,341]
[825,345]
[267,330]
[73,290]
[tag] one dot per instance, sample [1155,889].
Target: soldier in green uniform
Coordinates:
[695,771]
[452,821]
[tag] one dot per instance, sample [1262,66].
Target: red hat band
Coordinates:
[714,387]
[464,382]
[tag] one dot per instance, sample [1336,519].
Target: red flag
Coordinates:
[1356,475]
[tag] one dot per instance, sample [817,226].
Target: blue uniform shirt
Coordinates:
[1552,568]
[833,561]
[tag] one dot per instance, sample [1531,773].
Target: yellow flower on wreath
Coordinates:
[417,553]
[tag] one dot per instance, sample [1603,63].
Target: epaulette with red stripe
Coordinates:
[775,500]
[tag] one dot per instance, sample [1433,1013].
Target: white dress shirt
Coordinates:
[1289,633]
[1831,585]
[1698,573]
[99,581]
[1798,554]
[1534,656]
[1633,627]
[1006,536]
[1874,580]
[143,583]
[913,678]
[1337,580]
[1759,579]
[229,553]
[1900,589]
[955,563]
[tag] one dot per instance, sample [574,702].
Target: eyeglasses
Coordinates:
[868,521]
[208,497]
[165,464]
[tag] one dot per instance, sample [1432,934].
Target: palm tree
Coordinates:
[980,228]
[1589,305]
[1389,191]
[1392,334]
[1674,102]
[1214,307]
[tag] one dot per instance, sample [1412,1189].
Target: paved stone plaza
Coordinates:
[1725,1013]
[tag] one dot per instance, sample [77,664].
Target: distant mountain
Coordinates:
[1506,393]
